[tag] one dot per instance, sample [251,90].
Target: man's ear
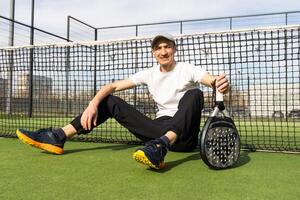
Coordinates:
[174,46]
[175,49]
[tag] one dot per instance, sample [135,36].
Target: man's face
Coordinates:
[164,52]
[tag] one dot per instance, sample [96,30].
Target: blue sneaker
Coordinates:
[152,154]
[47,139]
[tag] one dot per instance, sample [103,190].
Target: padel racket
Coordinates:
[219,140]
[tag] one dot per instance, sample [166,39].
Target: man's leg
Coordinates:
[165,129]
[186,121]
[154,151]
[154,132]
[69,130]
[181,132]
[53,140]
[125,114]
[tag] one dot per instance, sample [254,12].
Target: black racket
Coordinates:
[219,139]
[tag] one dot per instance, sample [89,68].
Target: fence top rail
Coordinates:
[80,21]
[101,42]
[195,20]
[37,29]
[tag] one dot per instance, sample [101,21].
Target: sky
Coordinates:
[51,15]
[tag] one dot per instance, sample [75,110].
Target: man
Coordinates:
[174,87]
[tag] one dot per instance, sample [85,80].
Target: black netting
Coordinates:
[48,85]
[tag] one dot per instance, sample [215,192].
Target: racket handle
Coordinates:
[219,96]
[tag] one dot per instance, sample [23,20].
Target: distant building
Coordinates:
[234,99]
[267,98]
[42,86]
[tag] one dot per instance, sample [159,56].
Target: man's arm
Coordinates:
[220,82]
[110,88]
[90,114]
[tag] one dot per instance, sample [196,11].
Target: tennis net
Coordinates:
[48,85]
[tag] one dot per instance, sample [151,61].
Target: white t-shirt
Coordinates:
[167,88]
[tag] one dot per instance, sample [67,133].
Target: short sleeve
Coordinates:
[140,77]
[197,72]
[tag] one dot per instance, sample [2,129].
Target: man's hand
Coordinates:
[222,83]
[89,116]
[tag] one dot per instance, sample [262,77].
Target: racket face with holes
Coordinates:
[219,143]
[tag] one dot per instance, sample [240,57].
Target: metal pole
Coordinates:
[68,28]
[11,64]
[230,67]
[248,95]
[136,65]
[32,23]
[180,27]
[67,74]
[12,24]
[31,61]
[136,30]
[286,73]
[95,62]
[67,66]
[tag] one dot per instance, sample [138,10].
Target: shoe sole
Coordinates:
[47,147]
[140,157]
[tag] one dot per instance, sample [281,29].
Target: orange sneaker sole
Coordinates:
[47,147]
[140,157]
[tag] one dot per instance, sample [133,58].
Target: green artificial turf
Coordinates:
[255,133]
[107,171]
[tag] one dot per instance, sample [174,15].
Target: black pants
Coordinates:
[185,123]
